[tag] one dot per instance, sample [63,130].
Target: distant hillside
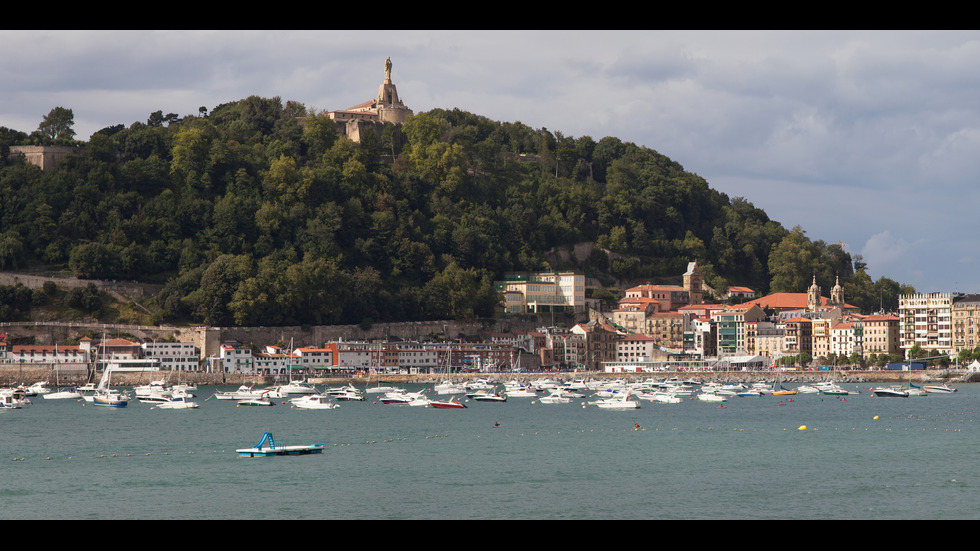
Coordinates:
[250,218]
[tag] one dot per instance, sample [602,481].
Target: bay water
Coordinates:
[769,457]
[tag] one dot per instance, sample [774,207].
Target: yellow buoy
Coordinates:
[876,417]
[802,427]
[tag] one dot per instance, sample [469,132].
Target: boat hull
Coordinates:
[102,402]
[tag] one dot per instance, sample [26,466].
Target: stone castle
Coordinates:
[372,115]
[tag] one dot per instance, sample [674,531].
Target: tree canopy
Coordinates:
[258,213]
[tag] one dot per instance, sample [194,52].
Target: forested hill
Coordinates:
[257,213]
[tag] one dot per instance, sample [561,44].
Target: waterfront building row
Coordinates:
[123,353]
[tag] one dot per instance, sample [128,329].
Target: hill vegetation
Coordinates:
[258,213]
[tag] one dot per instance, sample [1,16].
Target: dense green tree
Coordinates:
[57,124]
[792,263]
[257,212]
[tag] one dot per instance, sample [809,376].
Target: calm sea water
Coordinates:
[917,460]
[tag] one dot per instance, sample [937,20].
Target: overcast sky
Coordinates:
[868,138]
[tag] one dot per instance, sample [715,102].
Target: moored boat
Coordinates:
[621,401]
[890,392]
[177,402]
[67,394]
[490,397]
[315,401]
[447,404]
[244,392]
[258,401]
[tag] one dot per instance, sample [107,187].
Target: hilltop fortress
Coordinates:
[372,115]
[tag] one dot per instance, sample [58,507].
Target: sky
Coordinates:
[870,139]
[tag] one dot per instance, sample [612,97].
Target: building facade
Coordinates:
[926,320]
[542,292]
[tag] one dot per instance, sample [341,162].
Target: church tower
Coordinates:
[813,296]
[837,294]
[692,283]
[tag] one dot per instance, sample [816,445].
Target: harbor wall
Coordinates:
[77,374]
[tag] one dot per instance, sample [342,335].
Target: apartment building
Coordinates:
[926,320]
[634,349]
[799,336]
[966,322]
[880,335]
[731,327]
[173,356]
[542,292]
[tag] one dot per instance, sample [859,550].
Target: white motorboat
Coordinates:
[449,387]
[914,390]
[66,394]
[261,401]
[402,397]
[345,394]
[618,402]
[397,398]
[546,384]
[314,401]
[298,388]
[40,387]
[380,389]
[556,397]
[13,398]
[244,392]
[516,389]
[491,397]
[667,398]
[87,391]
[177,402]
[155,396]
[710,397]
[939,389]
[480,384]
[807,389]
[890,392]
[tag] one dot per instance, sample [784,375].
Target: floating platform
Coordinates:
[273,450]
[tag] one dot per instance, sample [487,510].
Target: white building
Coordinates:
[926,320]
[233,359]
[173,356]
[635,348]
[524,293]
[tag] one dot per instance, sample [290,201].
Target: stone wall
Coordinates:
[124,289]
[44,156]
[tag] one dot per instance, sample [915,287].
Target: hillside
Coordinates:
[257,213]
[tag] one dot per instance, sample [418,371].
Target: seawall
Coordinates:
[11,375]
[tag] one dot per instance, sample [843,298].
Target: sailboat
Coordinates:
[105,396]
